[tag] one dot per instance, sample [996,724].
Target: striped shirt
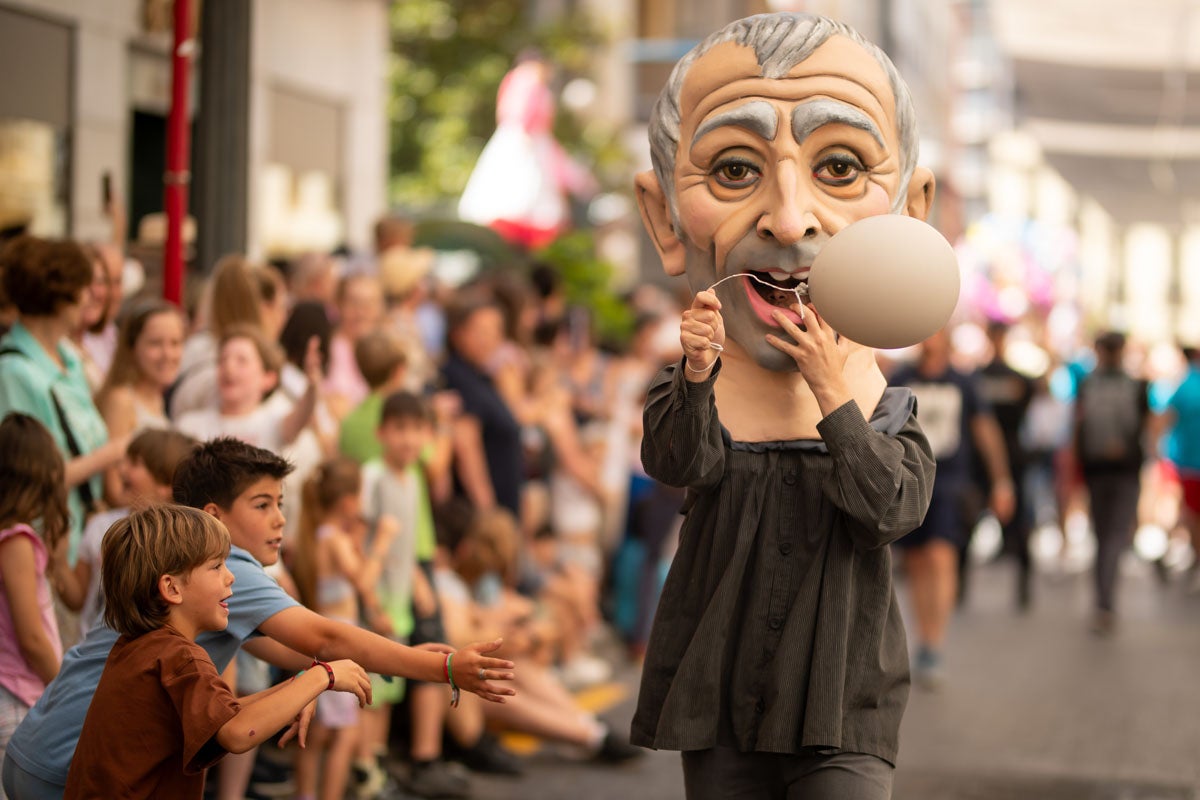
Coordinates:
[778,627]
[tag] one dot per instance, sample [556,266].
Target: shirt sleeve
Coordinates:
[974,401]
[883,482]
[682,444]
[256,598]
[204,704]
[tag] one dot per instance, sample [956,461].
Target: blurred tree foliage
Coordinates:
[448,57]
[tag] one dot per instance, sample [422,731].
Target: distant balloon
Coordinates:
[887,281]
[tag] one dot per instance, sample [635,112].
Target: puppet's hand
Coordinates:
[702,334]
[818,354]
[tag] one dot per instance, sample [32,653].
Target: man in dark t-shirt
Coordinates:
[958,423]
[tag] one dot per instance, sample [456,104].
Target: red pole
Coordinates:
[178,176]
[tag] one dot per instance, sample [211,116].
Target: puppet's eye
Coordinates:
[736,173]
[838,169]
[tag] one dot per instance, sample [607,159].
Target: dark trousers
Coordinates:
[723,773]
[1016,541]
[1113,497]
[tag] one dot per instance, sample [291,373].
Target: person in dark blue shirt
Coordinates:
[957,422]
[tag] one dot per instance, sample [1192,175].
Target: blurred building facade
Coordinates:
[87,91]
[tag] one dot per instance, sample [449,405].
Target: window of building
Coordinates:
[35,123]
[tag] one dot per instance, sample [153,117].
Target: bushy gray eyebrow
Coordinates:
[758,117]
[809,117]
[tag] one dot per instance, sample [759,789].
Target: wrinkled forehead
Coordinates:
[840,69]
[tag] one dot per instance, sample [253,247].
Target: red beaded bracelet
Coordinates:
[328,669]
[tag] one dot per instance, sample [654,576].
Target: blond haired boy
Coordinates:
[161,713]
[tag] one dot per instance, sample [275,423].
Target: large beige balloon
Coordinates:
[887,281]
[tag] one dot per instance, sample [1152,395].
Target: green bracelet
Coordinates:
[450,679]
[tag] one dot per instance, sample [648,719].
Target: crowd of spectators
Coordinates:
[464,460]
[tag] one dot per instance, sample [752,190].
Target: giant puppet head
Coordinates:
[771,136]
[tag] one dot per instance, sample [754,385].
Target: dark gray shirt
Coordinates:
[778,627]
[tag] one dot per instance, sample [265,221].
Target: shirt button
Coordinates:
[789,478]
[760,706]
[785,547]
[776,623]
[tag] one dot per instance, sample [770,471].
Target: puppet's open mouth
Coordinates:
[776,290]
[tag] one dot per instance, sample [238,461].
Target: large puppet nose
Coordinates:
[788,217]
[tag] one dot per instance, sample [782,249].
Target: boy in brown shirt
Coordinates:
[161,713]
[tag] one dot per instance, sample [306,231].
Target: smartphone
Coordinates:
[106,189]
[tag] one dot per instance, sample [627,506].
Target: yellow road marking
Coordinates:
[595,699]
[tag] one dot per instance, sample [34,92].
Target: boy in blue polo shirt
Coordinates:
[242,486]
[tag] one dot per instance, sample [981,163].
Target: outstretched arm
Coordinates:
[308,632]
[265,712]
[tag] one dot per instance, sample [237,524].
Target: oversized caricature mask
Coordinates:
[770,137]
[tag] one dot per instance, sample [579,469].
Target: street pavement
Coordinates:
[1034,706]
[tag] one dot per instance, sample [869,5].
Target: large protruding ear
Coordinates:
[920,194]
[656,216]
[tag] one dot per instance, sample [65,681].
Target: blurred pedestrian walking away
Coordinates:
[1111,412]
[1010,393]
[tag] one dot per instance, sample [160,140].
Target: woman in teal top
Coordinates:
[40,373]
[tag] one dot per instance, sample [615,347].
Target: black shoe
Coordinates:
[614,750]
[435,779]
[490,757]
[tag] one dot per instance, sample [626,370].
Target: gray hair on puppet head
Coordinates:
[780,42]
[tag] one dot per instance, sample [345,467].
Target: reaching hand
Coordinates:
[474,671]
[299,726]
[350,677]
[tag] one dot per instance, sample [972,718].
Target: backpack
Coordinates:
[1110,419]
